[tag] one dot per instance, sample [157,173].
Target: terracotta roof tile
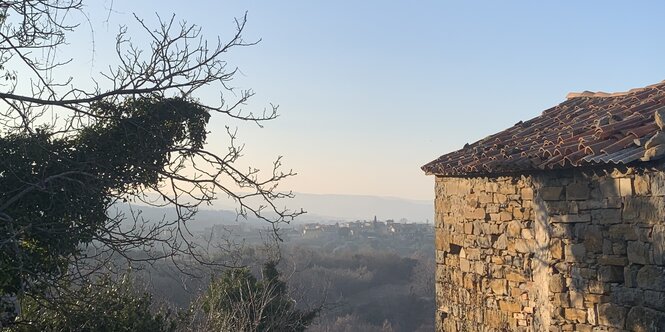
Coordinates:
[585,130]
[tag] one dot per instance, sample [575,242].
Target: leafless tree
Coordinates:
[41,105]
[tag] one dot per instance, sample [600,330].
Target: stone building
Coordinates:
[557,223]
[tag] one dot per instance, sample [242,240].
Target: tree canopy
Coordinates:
[70,150]
[103,305]
[238,301]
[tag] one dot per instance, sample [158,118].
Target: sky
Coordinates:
[370,91]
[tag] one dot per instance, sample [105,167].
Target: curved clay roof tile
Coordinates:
[597,122]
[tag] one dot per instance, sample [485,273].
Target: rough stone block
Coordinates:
[570,218]
[484,242]
[499,198]
[508,189]
[606,216]
[525,246]
[630,275]
[657,182]
[593,238]
[609,187]
[613,315]
[464,265]
[619,248]
[472,200]
[557,207]
[622,232]
[651,277]
[468,228]
[598,287]
[442,240]
[658,236]
[561,231]
[557,314]
[613,202]
[643,209]
[588,273]
[501,242]
[491,187]
[505,216]
[556,249]
[577,191]
[518,213]
[551,193]
[514,229]
[495,229]
[557,283]
[575,315]
[610,273]
[638,252]
[527,193]
[575,252]
[590,299]
[510,306]
[472,254]
[613,260]
[568,327]
[475,214]
[641,185]
[493,208]
[527,233]
[642,319]
[573,207]
[499,286]
[626,296]
[583,328]
[607,247]
[576,299]
[654,299]
[479,268]
[591,204]
[484,198]
[516,277]
[469,281]
[626,186]
[592,315]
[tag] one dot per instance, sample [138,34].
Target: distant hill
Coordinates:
[204,218]
[352,207]
[319,207]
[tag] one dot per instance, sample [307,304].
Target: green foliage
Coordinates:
[105,305]
[57,188]
[136,139]
[238,301]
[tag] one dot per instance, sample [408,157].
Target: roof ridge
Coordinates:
[602,94]
[615,125]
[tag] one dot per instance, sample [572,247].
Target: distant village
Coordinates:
[367,229]
[339,231]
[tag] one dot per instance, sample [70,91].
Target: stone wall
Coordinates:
[557,251]
[485,241]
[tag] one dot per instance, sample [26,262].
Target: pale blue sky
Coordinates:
[369,91]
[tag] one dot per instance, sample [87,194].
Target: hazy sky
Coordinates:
[370,91]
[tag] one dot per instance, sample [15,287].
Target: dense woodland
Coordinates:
[359,284]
